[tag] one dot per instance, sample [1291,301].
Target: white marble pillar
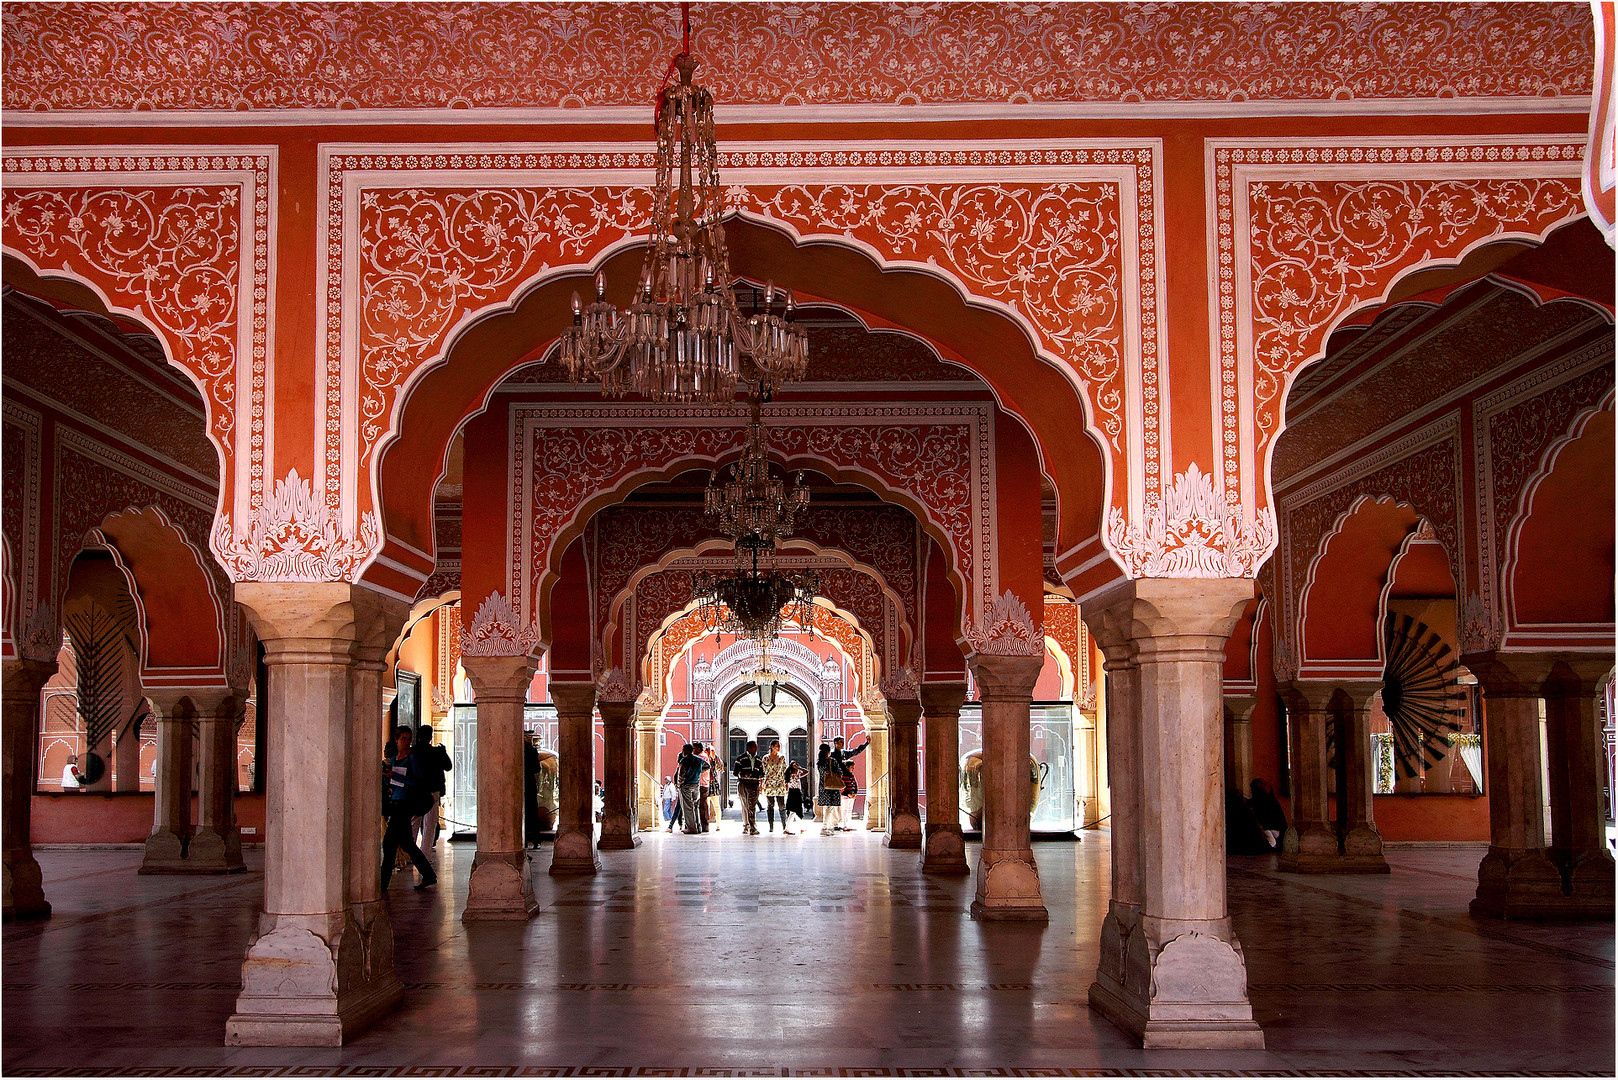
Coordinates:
[574,850]
[1111,623]
[943,847]
[1578,819]
[1241,708]
[618,783]
[1185,982]
[216,845]
[378,621]
[649,788]
[876,772]
[24,893]
[502,886]
[1310,843]
[307,979]
[175,711]
[904,810]
[1008,877]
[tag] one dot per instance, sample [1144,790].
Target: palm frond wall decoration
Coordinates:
[1421,695]
[105,658]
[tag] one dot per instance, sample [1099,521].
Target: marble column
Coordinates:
[1111,622]
[1578,825]
[309,978]
[1517,878]
[1241,708]
[1008,878]
[1309,844]
[904,809]
[877,781]
[1361,842]
[24,893]
[943,848]
[502,886]
[378,620]
[574,850]
[175,711]
[216,846]
[126,757]
[1185,981]
[649,791]
[618,782]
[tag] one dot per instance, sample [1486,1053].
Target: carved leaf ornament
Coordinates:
[497,630]
[1192,533]
[1007,629]
[294,536]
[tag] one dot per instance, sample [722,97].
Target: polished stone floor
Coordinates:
[727,955]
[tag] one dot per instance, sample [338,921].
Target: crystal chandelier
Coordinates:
[683,336]
[765,678]
[753,503]
[756,599]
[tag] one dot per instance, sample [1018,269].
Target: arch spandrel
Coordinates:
[1057,284]
[1310,232]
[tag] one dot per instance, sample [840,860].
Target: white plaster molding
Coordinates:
[1007,629]
[293,536]
[901,684]
[616,685]
[1192,533]
[497,630]
[41,638]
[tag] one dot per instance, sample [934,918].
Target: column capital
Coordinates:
[1241,706]
[1167,618]
[1579,673]
[206,700]
[302,622]
[26,677]
[1006,678]
[943,698]
[1316,694]
[378,621]
[1510,675]
[500,678]
[572,698]
[904,711]
[616,713]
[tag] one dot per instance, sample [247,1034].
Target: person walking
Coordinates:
[797,799]
[671,798]
[434,764]
[692,768]
[407,791]
[831,790]
[1267,809]
[749,768]
[775,786]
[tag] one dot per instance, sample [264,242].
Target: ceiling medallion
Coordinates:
[683,337]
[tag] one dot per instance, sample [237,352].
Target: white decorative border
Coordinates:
[1232,165]
[497,165]
[527,418]
[109,166]
[25,562]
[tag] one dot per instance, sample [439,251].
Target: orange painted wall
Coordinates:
[124,818]
[1431,817]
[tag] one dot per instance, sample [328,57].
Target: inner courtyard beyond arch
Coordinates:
[1149,468]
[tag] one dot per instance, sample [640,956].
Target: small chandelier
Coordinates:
[756,599]
[765,678]
[753,503]
[683,337]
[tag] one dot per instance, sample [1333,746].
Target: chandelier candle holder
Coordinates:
[683,337]
[753,502]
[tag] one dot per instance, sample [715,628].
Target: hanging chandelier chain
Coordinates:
[683,337]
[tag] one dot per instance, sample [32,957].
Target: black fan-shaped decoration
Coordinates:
[1421,695]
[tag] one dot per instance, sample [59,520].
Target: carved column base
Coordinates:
[315,980]
[944,850]
[501,888]
[904,831]
[1188,993]
[1314,850]
[617,833]
[165,854]
[1008,890]
[1527,884]
[24,888]
[574,853]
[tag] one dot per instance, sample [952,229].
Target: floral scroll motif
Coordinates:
[1006,629]
[294,56]
[1191,533]
[294,536]
[1481,628]
[901,684]
[498,630]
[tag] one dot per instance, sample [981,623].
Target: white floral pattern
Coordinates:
[1192,533]
[497,630]
[294,536]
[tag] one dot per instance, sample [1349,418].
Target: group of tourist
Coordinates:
[692,796]
[414,773]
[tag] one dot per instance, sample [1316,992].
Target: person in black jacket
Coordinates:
[407,794]
[749,769]
[434,762]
